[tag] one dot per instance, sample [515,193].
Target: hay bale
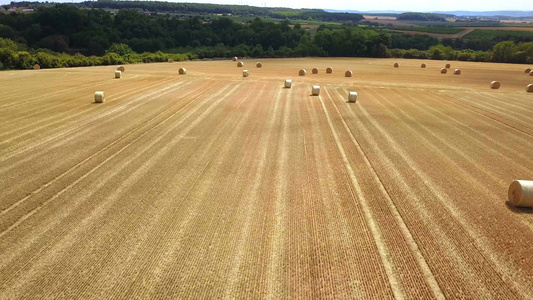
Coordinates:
[423,66]
[495,85]
[170,60]
[527,70]
[396,65]
[316,90]
[456,72]
[36,67]
[348,73]
[118,74]
[235,58]
[329,70]
[443,71]
[258,64]
[302,72]
[521,193]
[240,64]
[99,97]
[447,66]
[352,97]
[531,73]
[315,70]
[288,83]
[529,88]
[182,71]
[245,73]
[121,68]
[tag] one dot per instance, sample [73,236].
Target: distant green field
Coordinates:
[493,34]
[455,24]
[437,30]
[286,13]
[268,19]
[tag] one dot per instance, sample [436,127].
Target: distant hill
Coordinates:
[506,13]
[459,13]
[422,17]
[205,8]
[370,12]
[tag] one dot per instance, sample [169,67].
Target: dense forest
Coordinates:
[412,16]
[212,9]
[69,35]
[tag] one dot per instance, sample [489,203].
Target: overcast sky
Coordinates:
[405,5]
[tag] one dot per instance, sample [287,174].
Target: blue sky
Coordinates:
[405,5]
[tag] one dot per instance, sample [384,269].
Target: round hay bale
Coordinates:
[456,72]
[423,66]
[329,70]
[443,71]
[302,72]
[315,70]
[258,64]
[245,73]
[288,83]
[529,88]
[235,58]
[118,74]
[240,64]
[121,68]
[396,65]
[352,97]
[36,67]
[348,73]
[182,71]
[99,97]
[316,90]
[495,85]
[527,70]
[531,73]
[170,60]
[521,193]
[447,66]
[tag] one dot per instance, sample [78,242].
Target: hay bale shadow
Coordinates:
[518,210]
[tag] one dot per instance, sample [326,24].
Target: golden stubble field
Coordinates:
[211,185]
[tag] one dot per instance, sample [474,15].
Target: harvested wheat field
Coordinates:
[215,185]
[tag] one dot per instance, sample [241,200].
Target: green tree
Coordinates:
[258,51]
[526,52]
[120,49]
[441,52]
[504,52]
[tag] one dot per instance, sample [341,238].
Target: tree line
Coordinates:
[414,16]
[91,32]
[65,35]
[212,9]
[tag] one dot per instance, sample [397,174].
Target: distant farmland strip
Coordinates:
[493,34]
[438,30]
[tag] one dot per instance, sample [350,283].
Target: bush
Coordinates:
[112,59]
[465,55]
[397,53]
[415,53]
[24,60]
[483,56]
[120,49]
[46,60]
